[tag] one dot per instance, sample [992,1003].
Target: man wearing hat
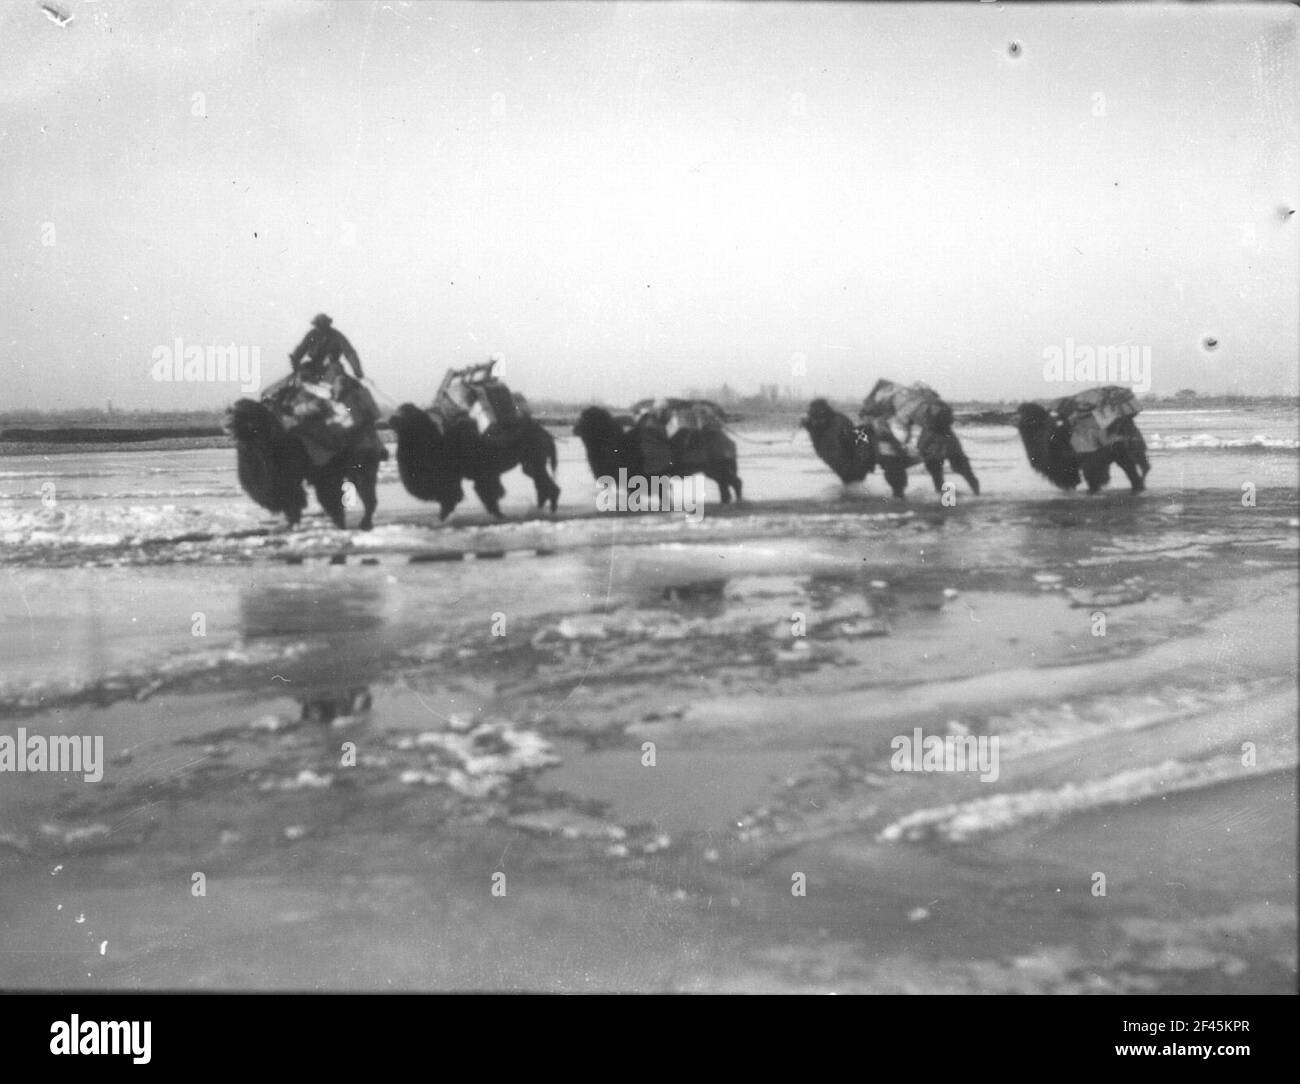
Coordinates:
[322,346]
[329,418]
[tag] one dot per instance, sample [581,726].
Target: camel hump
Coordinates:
[919,404]
[1105,406]
[673,415]
[327,418]
[656,450]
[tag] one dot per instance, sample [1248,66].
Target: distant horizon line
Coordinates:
[556,404]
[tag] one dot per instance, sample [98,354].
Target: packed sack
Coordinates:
[1105,406]
[1093,415]
[912,421]
[671,415]
[326,417]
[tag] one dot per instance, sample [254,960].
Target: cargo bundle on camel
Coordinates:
[327,417]
[474,393]
[476,429]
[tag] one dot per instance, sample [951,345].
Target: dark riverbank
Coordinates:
[97,427]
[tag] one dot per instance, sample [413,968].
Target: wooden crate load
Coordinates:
[475,392]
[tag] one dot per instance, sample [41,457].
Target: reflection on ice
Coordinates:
[335,705]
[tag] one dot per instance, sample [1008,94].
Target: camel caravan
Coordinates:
[899,428]
[319,426]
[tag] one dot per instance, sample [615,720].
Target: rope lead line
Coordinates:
[379,393]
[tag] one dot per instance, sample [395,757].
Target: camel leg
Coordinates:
[1096,470]
[545,485]
[363,478]
[896,476]
[1136,449]
[447,507]
[961,466]
[293,499]
[329,491]
[724,474]
[290,496]
[723,483]
[1125,463]
[490,491]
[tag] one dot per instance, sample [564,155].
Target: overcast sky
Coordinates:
[632,199]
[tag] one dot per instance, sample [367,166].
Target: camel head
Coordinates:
[1031,418]
[410,421]
[820,414]
[249,420]
[1047,443]
[596,423]
[608,445]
